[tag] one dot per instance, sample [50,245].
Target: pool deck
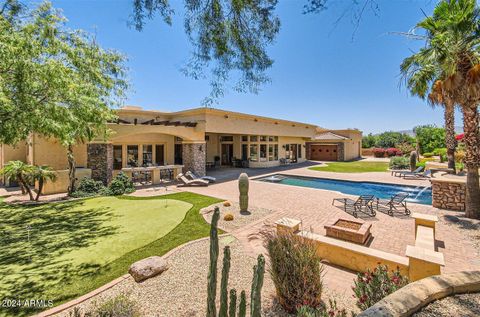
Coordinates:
[314,208]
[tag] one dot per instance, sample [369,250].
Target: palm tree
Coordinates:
[21,173]
[42,174]
[439,96]
[452,54]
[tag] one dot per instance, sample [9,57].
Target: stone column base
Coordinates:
[100,161]
[194,157]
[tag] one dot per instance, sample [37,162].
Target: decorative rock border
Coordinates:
[419,294]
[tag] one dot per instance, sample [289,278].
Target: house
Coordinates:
[195,138]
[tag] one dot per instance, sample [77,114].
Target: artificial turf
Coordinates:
[59,251]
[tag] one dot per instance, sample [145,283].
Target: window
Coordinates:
[253,138]
[226,138]
[263,152]
[254,152]
[299,146]
[244,138]
[159,154]
[244,152]
[275,152]
[117,157]
[147,155]
[132,155]
[263,138]
[270,152]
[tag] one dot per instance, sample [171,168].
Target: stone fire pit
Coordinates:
[348,230]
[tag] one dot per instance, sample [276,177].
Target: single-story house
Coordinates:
[195,138]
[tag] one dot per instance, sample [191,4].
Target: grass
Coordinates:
[78,246]
[352,167]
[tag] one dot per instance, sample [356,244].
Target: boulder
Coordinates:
[147,268]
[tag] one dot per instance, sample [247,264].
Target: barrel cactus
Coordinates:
[243,188]
[413,160]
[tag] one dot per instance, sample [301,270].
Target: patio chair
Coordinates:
[194,176]
[357,205]
[425,175]
[184,182]
[397,200]
[401,173]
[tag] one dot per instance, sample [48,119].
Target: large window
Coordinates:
[254,152]
[244,152]
[117,157]
[159,154]
[263,152]
[299,150]
[147,155]
[132,155]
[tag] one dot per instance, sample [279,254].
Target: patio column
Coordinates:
[194,157]
[100,161]
[341,152]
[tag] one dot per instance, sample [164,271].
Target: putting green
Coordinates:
[45,246]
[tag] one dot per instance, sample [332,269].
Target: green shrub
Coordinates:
[120,185]
[295,269]
[330,311]
[119,306]
[422,164]
[372,286]
[399,162]
[440,151]
[428,154]
[88,187]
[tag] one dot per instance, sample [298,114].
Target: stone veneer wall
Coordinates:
[448,194]
[341,151]
[194,158]
[100,161]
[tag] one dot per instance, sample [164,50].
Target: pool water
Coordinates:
[419,194]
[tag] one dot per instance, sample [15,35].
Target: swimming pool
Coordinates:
[419,194]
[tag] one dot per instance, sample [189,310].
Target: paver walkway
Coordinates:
[314,208]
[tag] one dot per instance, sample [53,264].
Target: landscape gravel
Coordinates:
[464,305]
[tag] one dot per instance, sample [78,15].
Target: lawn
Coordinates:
[60,251]
[352,167]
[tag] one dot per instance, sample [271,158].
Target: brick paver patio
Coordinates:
[314,208]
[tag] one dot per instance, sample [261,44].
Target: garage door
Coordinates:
[323,152]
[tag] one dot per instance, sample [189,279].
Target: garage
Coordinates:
[323,152]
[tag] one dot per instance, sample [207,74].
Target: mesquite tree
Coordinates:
[54,82]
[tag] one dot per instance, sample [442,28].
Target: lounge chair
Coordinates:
[425,175]
[362,201]
[194,176]
[184,182]
[401,173]
[397,200]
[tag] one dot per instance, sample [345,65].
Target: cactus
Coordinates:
[224,283]
[243,188]
[212,273]
[257,284]
[242,309]
[257,281]
[413,160]
[232,310]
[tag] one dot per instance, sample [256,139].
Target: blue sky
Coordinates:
[320,74]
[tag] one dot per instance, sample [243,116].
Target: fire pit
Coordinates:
[348,230]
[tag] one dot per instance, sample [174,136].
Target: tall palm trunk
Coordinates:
[71,169]
[472,160]
[450,132]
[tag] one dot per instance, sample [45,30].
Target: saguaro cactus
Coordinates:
[212,273]
[224,283]
[243,188]
[232,310]
[242,309]
[257,284]
[413,160]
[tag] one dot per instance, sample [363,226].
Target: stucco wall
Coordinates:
[50,152]
[12,153]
